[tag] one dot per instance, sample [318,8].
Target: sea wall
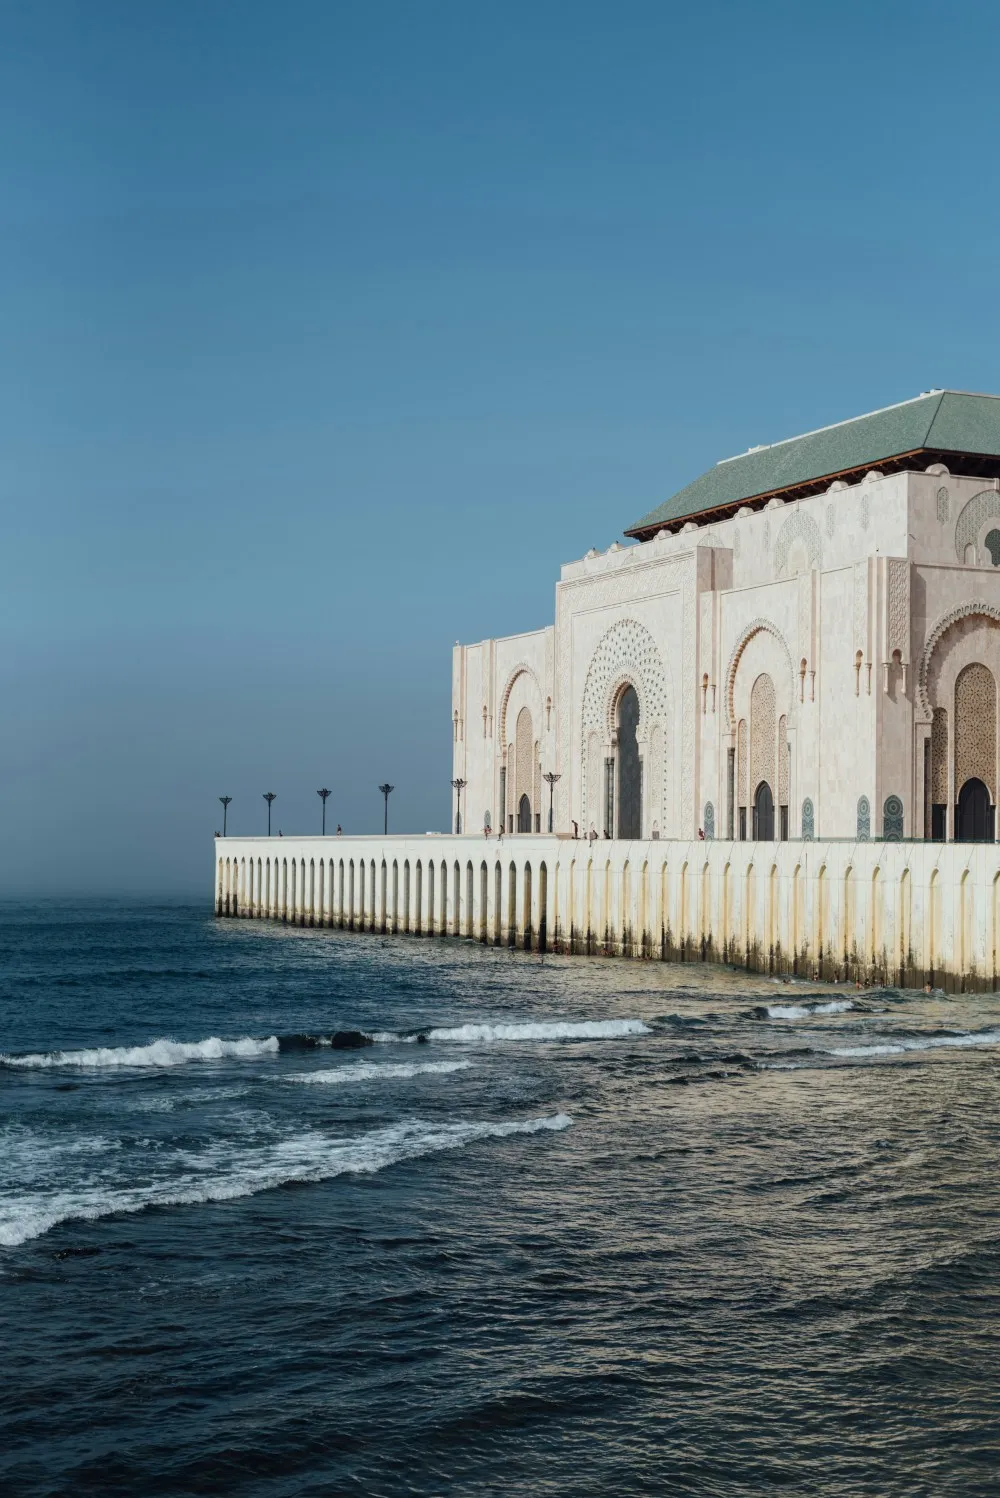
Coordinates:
[904,913]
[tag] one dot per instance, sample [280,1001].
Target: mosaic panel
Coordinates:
[808,821]
[864,819]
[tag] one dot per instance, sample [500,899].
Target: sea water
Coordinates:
[290,1212]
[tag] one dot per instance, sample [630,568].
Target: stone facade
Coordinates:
[841,649]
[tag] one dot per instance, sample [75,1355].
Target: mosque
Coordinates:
[803,643]
[764,734]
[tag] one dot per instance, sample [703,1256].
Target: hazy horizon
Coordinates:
[331,333]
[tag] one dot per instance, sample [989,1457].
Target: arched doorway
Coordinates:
[974,814]
[763,814]
[524,815]
[629,766]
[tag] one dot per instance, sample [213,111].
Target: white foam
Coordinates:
[803,1011]
[157,1053]
[605,1029]
[922,1043]
[366,1071]
[306,1157]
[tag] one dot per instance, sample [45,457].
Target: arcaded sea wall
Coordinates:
[902,913]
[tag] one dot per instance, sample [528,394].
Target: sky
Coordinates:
[328,332]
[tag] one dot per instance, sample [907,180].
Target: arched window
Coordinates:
[629,766]
[524,815]
[992,544]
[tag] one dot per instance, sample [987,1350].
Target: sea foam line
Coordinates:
[803,1011]
[307,1157]
[366,1071]
[923,1043]
[157,1053]
[603,1029]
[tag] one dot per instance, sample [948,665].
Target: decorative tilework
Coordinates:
[892,819]
[709,820]
[808,821]
[864,819]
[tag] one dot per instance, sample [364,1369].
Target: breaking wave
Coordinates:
[156,1053]
[306,1157]
[366,1071]
[897,1047]
[803,1011]
[604,1029]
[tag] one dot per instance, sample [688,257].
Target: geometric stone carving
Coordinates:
[899,608]
[798,527]
[808,821]
[782,761]
[939,757]
[976,727]
[943,505]
[864,819]
[982,506]
[762,734]
[866,512]
[892,819]
[831,521]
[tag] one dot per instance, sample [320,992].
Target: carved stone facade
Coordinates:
[824,646]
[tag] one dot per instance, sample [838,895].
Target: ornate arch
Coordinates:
[626,655]
[746,635]
[941,628]
[798,527]
[982,506]
[521,669]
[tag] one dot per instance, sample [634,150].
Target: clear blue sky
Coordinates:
[328,331]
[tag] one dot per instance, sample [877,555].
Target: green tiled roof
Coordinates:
[944,421]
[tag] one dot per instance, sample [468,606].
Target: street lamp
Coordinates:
[459,787]
[551,777]
[225,811]
[269,796]
[322,796]
[387,791]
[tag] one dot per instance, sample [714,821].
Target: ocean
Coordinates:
[290,1212]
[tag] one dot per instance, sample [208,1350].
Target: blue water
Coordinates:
[564,1226]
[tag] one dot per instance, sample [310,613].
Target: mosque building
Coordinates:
[803,643]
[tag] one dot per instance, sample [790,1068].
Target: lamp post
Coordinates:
[551,777]
[269,796]
[322,796]
[225,811]
[459,786]
[387,791]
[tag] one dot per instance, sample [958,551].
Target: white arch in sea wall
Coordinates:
[884,912]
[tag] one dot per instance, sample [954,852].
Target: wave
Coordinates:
[803,1011]
[897,1047]
[158,1053]
[304,1158]
[366,1071]
[605,1029]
